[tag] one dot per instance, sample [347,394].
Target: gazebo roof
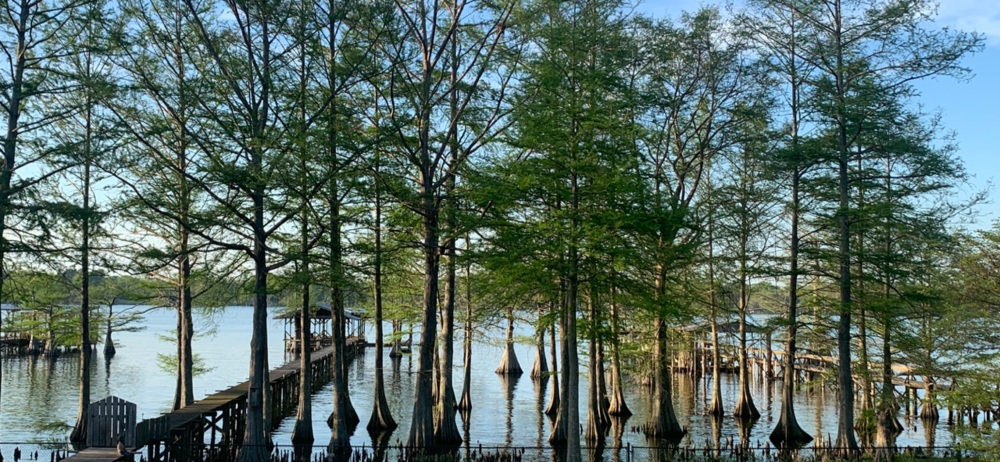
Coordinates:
[323,311]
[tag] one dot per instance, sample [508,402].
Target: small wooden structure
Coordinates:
[321,318]
[109,419]
[12,342]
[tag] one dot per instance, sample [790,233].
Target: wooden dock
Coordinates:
[214,425]
[95,455]
[769,363]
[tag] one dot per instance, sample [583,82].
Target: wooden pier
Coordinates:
[14,343]
[213,427]
[771,363]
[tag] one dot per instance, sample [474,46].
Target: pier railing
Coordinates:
[217,422]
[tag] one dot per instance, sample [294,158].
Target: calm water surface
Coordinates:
[40,394]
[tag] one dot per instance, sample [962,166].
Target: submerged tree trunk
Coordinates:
[715,408]
[396,351]
[508,363]
[602,383]
[887,426]
[445,428]
[466,402]
[565,431]
[787,433]
[540,368]
[846,440]
[186,333]
[422,423]
[343,416]
[745,408]
[553,408]
[663,423]
[597,419]
[381,419]
[617,406]
[258,429]
[339,434]
[109,343]
[302,433]
[79,433]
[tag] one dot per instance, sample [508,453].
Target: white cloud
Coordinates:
[972,15]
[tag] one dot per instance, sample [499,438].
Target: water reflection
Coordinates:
[540,384]
[40,394]
[745,426]
[716,420]
[380,444]
[508,383]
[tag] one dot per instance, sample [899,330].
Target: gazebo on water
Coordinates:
[321,329]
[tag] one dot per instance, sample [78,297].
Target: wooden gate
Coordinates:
[109,419]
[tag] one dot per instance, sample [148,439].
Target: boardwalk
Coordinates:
[95,455]
[769,363]
[216,422]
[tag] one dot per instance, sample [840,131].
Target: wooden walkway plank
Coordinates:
[95,455]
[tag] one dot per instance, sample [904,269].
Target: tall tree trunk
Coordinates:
[565,431]
[886,424]
[597,419]
[178,390]
[617,406]
[422,422]
[846,441]
[553,408]
[258,427]
[445,428]
[663,424]
[340,419]
[787,432]
[745,408]
[302,433]
[381,419]
[863,373]
[602,382]
[715,408]
[79,433]
[185,333]
[466,403]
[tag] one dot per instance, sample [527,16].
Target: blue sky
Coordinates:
[971,109]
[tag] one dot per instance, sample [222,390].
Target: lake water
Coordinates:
[40,394]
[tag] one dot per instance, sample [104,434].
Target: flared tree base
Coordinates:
[716,408]
[381,420]
[617,407]
[464,404]
[508,363]
[79,433]
[745,409]
[540,368]
[787,434]
[303,432]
